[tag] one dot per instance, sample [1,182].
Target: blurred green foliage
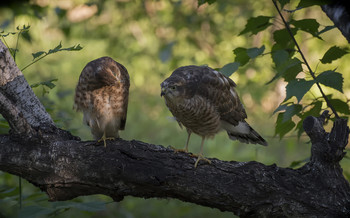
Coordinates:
[151,39]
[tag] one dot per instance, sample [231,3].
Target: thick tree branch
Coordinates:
[144,170]
[18,101]
[65,167]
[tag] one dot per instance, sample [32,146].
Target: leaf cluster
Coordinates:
[291,66]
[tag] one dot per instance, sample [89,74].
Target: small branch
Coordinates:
[305,61]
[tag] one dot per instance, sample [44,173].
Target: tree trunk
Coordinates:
[65,167]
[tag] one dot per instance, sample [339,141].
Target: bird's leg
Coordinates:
[104,138]
[186,148]
[200,155]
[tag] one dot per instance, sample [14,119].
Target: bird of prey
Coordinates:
[206,102]
[102,95]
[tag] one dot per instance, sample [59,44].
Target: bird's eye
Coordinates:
[173,87]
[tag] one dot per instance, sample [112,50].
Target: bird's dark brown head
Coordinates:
[172,88]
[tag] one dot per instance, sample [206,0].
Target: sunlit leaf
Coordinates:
[332,54]
[331,79]
[256,24]
[230,68]
[340,106]
[298,88]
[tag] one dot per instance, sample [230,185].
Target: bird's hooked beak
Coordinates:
[162,92]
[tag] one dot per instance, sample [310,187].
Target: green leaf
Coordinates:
[283,128]
[314,111]
[56,49]
[279,56]
[230,68]
[292,69]
[298,88]
[241,55]
[332,54]
[201,2]
[308,3]
[48,83]
[340,106]
[308,25]
[283,37]
[254,52]
[282,107]
[331,79]
[291,111]
[38,54]
[283,2]
[73,48]
[256,24]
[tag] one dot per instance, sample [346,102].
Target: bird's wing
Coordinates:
[125,83]
[220,90]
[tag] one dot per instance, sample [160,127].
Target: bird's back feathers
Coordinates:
[218,94]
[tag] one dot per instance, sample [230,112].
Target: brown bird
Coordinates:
[102,95]
[206,102]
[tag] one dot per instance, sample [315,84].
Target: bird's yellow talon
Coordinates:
[200,157]
[104,138]
[178,150]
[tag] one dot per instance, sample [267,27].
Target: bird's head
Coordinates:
[172,89]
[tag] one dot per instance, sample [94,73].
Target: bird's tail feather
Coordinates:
[245,133]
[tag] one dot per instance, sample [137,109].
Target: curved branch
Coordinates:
[65,167]
[145,170]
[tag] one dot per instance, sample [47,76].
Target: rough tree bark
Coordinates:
[339,12]
[65,167]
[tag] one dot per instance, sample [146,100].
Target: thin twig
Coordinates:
[306,63]
[33,62]
[14,54]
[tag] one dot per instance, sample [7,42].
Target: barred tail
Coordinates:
[244,133]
